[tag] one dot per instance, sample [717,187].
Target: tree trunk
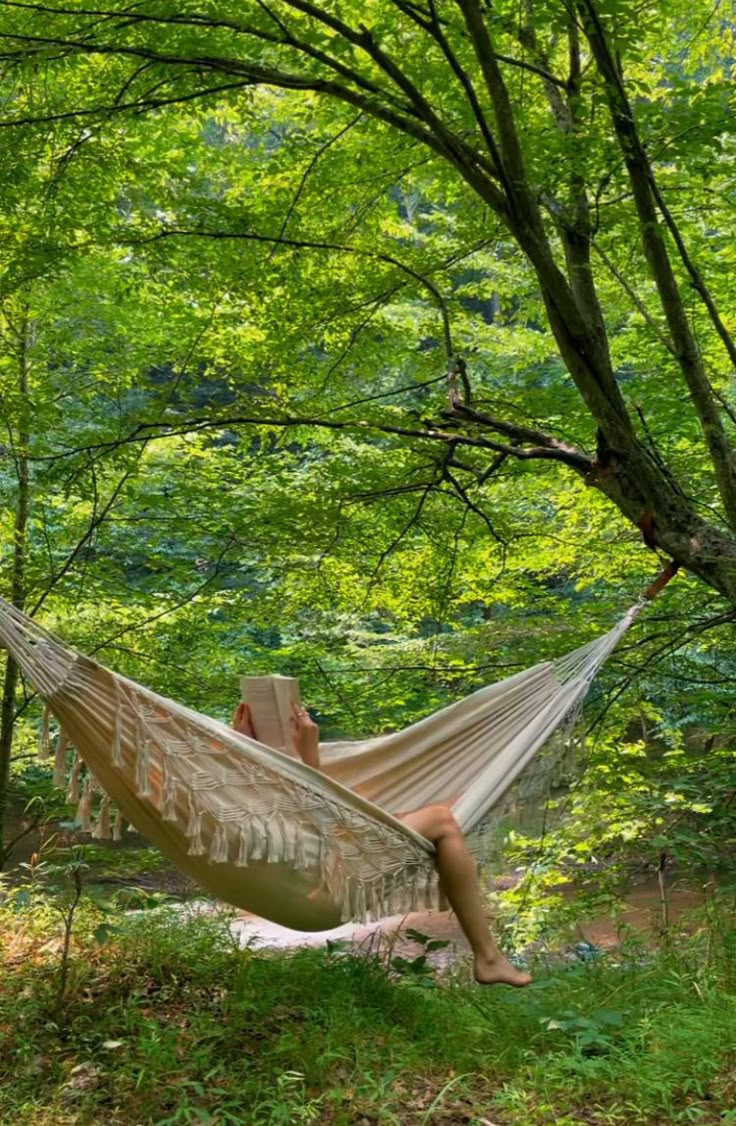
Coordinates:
[18,583]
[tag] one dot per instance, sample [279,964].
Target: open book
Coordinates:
[270,700]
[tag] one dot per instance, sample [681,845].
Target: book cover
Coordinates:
[270,699]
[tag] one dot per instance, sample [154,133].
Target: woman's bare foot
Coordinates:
[499,971]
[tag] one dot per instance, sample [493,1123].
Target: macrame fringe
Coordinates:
[44,750]
[241,860]
[219,846]
[118,826]
[84,808]
[360,904]
[288,832]
[258,838]
[300,860]
[116,749]
[396,893]
[142,761]
[168,799]
[60,757]
[196,845]
[101,831]
[75,781]
[278,840]
[346,901]
[275,847]
[194,830]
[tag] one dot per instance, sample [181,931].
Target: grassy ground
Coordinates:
[164,1021]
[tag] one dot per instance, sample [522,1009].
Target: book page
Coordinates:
[269,699]
[286,693]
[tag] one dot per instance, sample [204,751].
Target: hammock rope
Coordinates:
[259,829]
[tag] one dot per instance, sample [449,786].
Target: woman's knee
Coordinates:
[440,822]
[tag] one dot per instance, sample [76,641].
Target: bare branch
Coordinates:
[635,299]
[310,168]
[637,165]
[696,277]
[561,451]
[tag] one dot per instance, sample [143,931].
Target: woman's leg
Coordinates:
[459,880]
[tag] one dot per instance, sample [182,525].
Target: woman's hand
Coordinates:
[242,721]
[305,734]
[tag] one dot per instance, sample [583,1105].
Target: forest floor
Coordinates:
[170,1014]
[161,1018]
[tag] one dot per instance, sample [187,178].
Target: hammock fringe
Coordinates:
[44,750]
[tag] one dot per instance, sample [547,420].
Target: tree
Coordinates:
[559,125]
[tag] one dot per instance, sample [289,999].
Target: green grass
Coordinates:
[168,1022]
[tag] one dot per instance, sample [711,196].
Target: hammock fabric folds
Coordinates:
[259,829]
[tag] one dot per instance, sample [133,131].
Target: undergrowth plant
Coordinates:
[170,1021]
[659,806]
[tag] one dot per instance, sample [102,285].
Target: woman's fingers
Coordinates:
[302,724]
[242,721]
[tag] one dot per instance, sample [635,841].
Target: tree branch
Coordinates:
[309,244]
[637,166]
[635,300]
[563,452]
[550,450]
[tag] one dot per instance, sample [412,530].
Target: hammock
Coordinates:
[259,829]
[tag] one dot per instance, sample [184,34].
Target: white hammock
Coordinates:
[262,831]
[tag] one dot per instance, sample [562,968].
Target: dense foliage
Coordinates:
[375,375]
[377,342]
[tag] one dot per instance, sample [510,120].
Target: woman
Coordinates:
[455,865]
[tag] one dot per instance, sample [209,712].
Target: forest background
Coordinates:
[380,345]
[388,344]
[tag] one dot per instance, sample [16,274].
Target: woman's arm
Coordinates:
[304,730]
[305,733]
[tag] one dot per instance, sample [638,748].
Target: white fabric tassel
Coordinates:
[219,846]
[258,839]
[380,908]
[142,762]
[413,893]
[396,897]
[84,809]
[193,814]
[288,834]
[375,900]
[243,847]
[75,781]
[168,799]
[62,747]
[44,750]
[101,830]
[346,905]
[359,910]
[196,846]
[275,844]
[118,826]
[300,847]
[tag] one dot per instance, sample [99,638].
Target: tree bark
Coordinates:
[18,580]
